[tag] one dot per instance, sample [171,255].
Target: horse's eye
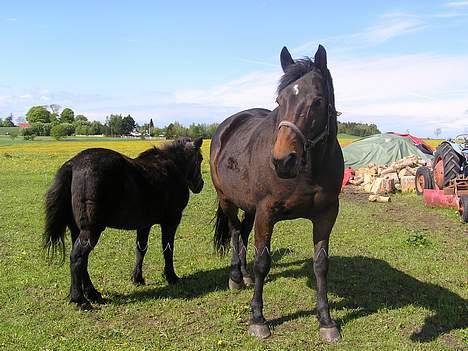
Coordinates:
[317,103]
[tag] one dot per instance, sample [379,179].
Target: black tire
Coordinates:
[423,180]
[463,210]
[451,162]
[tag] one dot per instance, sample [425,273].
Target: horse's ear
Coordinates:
[198,142]
[285,58]
[321,57]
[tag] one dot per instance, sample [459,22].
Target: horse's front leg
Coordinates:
[323,225]
[168,235]
[263,229]
[140,252]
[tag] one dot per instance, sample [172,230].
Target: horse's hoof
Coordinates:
[330,334]
[85,306]
[248,281]
[261,331]
[235,286]
[172,279]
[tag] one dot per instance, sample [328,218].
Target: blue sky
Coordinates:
[400,64]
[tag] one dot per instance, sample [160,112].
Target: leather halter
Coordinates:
[310,143]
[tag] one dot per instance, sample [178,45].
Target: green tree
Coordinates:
[38,114]
[96,128]
[67,116]
[128,125]
[59,131]
[8,122]
[82,118]
[115,125]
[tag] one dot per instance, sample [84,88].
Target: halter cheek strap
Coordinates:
[307,143]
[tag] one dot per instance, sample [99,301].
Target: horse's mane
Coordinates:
[295,71]
[173,151]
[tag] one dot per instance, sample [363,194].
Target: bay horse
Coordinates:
[101,188]
[279,165]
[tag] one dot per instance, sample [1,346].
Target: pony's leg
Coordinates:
[246,228]
[323,225]
[168,234]
[263,230]
[140,251]
[88,288]
[81,248]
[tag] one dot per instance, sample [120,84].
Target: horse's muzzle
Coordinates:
[286,168]
[196,188]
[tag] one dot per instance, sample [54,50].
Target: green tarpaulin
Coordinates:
[380,149]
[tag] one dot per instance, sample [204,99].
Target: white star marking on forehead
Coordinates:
[296,89]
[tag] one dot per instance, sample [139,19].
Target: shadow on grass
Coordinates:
[368,285]
[192,286]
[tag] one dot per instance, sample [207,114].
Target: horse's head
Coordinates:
[305,99]
[194,159]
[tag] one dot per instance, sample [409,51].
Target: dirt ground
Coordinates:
[407,209]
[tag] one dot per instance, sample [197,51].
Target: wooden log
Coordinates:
[379,198]
[407,183]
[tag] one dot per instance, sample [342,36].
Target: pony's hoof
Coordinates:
[248,281]
[138,281]
[235,286]
[261,331]
[330,334]
[95,296]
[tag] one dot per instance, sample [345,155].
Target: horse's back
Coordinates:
[241,124]
[104,185]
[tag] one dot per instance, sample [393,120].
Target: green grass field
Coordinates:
[397,281]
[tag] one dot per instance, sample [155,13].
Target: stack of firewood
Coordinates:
[398,176]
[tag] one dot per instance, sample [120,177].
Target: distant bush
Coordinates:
[59,131]
[39,128]
[13,135]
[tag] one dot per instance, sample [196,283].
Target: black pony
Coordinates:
[101,188]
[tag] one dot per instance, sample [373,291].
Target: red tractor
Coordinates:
[446,184]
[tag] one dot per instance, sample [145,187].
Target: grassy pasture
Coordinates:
[397,280]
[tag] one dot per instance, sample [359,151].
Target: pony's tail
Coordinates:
[57,213]
[222,234]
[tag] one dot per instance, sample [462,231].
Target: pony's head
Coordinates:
[194,158]
[306,104]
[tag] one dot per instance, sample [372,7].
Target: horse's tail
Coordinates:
[58,212]
[222,234]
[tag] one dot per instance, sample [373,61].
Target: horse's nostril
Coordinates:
[290,161]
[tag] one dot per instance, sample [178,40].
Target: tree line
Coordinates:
[52,120]
[357,129]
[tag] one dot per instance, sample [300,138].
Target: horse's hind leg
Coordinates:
[140,251]
[78,266]
[322,229]
[89,290]
[246,228]
[238,248]
[167,240]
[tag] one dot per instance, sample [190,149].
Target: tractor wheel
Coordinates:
[446,165]
[463,208]
[423,180]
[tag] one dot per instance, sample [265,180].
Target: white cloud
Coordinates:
[416,92]
[388,26]
[457,3]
